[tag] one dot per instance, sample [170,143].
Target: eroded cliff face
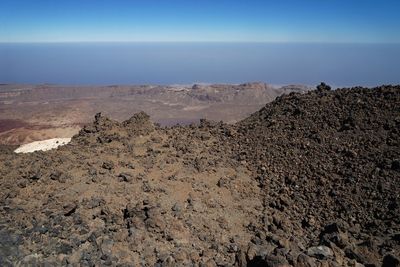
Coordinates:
[310,179]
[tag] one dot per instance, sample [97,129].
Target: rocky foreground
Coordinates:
[309,180]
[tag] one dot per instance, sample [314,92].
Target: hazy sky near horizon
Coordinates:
[369,21]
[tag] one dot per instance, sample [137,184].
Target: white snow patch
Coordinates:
[43,145]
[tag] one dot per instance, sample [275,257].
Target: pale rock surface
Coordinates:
[43,145]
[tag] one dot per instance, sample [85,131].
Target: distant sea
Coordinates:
[187,63]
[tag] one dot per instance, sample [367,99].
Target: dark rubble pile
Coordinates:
[309,180]
[328,163]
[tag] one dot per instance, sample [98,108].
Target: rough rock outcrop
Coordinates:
[309,180]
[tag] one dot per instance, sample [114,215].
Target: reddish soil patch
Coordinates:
[6,125]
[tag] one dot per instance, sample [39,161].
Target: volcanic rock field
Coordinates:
[311,179]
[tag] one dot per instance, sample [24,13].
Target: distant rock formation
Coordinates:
[26,118]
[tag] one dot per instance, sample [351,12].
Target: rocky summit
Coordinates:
[311,179]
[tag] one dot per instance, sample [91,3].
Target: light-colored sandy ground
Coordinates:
[43,145]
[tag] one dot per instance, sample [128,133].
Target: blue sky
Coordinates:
[371,21]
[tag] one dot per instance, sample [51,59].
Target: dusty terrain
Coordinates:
[309,180]
[38,112]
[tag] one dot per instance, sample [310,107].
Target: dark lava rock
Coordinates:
[108,165]
[390,261]
[125,177]
[320,252]
[323,87]
[69,209]
[137,194]
[396,164]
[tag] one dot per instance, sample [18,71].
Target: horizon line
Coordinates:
[227,42]
[274,85]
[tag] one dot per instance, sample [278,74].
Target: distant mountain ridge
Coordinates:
[37,112]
